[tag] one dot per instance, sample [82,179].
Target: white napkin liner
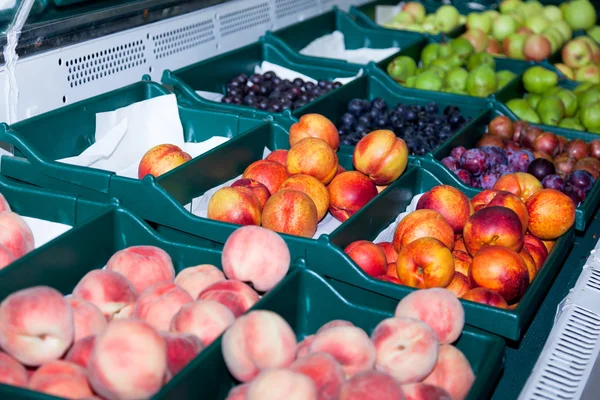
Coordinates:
[387,235]
[332,46]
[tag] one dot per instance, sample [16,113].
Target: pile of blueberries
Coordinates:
[268,92]
[423,128]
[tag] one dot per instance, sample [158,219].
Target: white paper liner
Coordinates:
[387,235]
[45,231]
[332,46]
[385,14]
[123,136]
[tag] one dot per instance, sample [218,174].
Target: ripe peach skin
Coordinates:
[36,325]
[181,349]
[452,372]
[6,257]
[390,252]
[368,256]
[462,261]
[62,379]
[485,296]
[110,291]
[325,372]
[129,361]
[87,318]
[424,391]
[81,351]
[196,279]
[159,303]
[12,372]
[513,202]
[348,193]
[279,156]
[500,269]
[495,226]
[425,263]
[439,308]
[303,347]
[382,156]
[349,345]
[450,203]
[459,285]
[161,159]
[235,295]
[257,341]
[292,212]
[372,385]
[238,392]
[236,205]
[551,214]
[407,348]
[315,126]
[314,157]
[206,319]
[4,206]
[270,173]
[313,188]
[256,255]
[15,234]
[143,266]
[423,223]
[335,323]
[521,184]
[278,383]
[258,189]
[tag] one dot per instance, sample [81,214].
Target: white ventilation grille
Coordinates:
[184,38]
[94,66]
[285,8]
[245,18]
[594,281]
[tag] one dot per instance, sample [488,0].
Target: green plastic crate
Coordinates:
[471,135]
[212,75]
[296,37]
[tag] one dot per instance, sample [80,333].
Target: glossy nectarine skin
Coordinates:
[425,263]
[316,126]
[449,202]
[521,184]
[500,269]
[292,212]
[260,191]
[369,257]
[314,157]
[161,159]
[513,202]
[382,156]
[485,296]
[495,226]
[423,223]
[551,214]
[348,193]
[236,205]
[483,198]
[312,187]
[269,173]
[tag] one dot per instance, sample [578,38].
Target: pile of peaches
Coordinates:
[16,238]
[127,329]
[291,191]
[409,356]
[488,249]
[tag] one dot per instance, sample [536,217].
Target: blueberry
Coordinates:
[289,95]
[263,104]
[299,104]
[432,108]
[329,86]
[365,119]
[275,94]
[379,103]
[409,131]
[237,99]
[265,88]
[241,78]
[235,92]
[347,141]
[322,83]
[276,80]
[355,107]
[410,115]
[400,108]
[381,122]
[429,130]
[286,104]
[233,84]
[456,119]
[347,119]
[269,75]
[451,109]
[255,78]
[227,99]
[309,86]
[298,82]
[337,85]
[374,113]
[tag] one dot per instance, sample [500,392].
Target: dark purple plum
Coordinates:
[541,168]
[554,182]
[464,176]
[581,179]
[576,194]
[495,155]
[474,161]
[457,152]
[451,163]
[519,161]
[488,179]
[502,169]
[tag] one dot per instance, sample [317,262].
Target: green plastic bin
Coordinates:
[296,37]
[212,75]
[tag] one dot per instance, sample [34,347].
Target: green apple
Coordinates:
[554,39]
[552,13]
[503,27]
[479,21]
[447,18]
[589,73]
[580,14]
[462,47]
[504,77]
[537,23]
[577,54]
[569,99]
[492,14]
[571,123]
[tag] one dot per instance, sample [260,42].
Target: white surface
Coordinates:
[7,4]
[387,235]
[44,231]
[123,136]
[385,14]
[332,46]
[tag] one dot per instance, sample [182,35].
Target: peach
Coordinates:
[511,201]
[292,212]
[390,252]
[87,318]
[423,223]
[348,193]
[81,351]
[493,226]
[181,349]
[260,191]
[349,345]
[340,169]
[549,245]
[235,295]
[529,262]
[304,346]
[143,266]
[12,372]
[270,173]
[107,290]
[238,392]
[459,243]
[452,372]
[325,372]
[313,188]
[450,203]
[206,319]
[161,159]
[256,255]
[61,379]
[279,155]
[392,271]
[521,184]
[128,361]
[407,348]
[125,312]
[315,126]
[424,391]
[500,269]
[537,249]
[36,325]
[438,308]
[4,206]
[257,341]
[381,188]
[425,263]
[381,155]
[277,384]
[390,278]
[483,198]
[6,257]
[462,261]
[159,303]
[314,157]
[335,323]
[485,296]
[551,214]
[15,234]
[236,205]
[196,279]
[368,256]
[371,385]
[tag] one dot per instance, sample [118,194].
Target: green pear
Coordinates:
[504,77]
[590,116]
[456,79]
[550,110]
[508,5]
[533,99]
[569,100]
[564,29]
[482,81]
[538,79]
[430,53]
[447,18]
[445,50]
[429,80]
[437,70]
[478,59]
[462,47]
[443,63]
[401,68]
[523,111]
[571,123]
[481,21]
[552,13]
[537,23]
[410,81]
[504,25]
[594,33]
[404,17]
[580,14]
[583,87]
[588,97]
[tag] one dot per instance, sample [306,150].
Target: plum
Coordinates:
[451,163]
[554,182]
[540,168]
[474,161]
[457,152]
[464,176]
[519,161]
[495,155]
[581,179]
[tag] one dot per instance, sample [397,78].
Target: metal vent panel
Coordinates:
[286,8]
[183,38]
[246,18]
